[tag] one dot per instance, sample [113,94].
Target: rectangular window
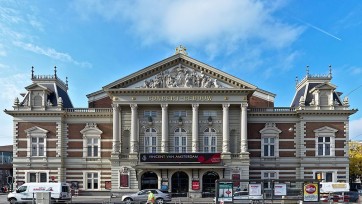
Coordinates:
[324,146]
[37,146]
[92,181]
[269,146]
[43,177]
[32,177]
[92,147]
[180,114]
[150,140]
[269,175]
[147,114]
[324,176]
[209,113]
[37,177]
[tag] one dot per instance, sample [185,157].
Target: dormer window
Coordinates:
[37,100]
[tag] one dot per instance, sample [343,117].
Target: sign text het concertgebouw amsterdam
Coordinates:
[203,158]
[180,98]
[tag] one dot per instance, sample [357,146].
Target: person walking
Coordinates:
[151,198]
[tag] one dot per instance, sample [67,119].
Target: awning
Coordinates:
[179,167]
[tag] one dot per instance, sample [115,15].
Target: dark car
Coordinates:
[141,196]
[350,196]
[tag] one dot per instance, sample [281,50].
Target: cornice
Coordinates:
[166,91]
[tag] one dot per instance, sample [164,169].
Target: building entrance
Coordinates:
[180,184]
[208,184]
[149,180]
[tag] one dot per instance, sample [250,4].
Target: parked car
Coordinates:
[141,196]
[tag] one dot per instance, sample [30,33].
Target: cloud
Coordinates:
[50,52]
[355,129]
[217,26]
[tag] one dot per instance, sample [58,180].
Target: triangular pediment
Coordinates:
[325,129]
[36,87]
[91,129]
[179,71]
[36,130]
[324,86]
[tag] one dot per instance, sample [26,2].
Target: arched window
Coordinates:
[180,140]
[150,140]
[37,100]
[210,140]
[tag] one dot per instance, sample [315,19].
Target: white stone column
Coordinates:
[164,141]
[133,140]
[244,128]
[115,144]
[225,128]
[195,127]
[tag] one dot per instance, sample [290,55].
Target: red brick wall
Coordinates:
[49,126]
[101,103]
[311,126]
[255,102]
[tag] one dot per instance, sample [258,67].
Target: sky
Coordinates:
[96,42]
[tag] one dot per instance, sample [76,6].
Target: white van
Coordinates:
[59,192]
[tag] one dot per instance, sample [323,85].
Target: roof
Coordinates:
[6,148]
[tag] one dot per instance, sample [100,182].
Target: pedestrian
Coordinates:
[151,198]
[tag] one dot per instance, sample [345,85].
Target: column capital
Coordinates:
[195,106]
[226,105]
[115,105]
[244,105]
[133,106]
[164,105]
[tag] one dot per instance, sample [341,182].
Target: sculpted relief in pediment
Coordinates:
[181,77]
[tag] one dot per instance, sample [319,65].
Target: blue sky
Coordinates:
[95,42]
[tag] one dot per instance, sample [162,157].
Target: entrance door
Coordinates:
[208,184]
[149,180]
[180,184]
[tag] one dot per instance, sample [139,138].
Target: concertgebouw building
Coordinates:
[178,125]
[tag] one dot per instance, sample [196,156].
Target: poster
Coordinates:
[310,192]
[280,189]
[255,189]
[225,191]
[164,184]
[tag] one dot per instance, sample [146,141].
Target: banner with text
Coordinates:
[202,158]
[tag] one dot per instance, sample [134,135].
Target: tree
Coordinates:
[355,160]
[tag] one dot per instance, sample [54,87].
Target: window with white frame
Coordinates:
[37,146]
[36,141]
[325,176]
[271,175]
[210,140]
[37,177]
[150,140]
[270,140]
[93,146]
[91,141]
[325,141]
[181,113]
[268,146]
[92,180]
[180,140]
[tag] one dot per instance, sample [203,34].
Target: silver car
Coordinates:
[141,196]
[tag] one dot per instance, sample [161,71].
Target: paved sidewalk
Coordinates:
[107,199]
